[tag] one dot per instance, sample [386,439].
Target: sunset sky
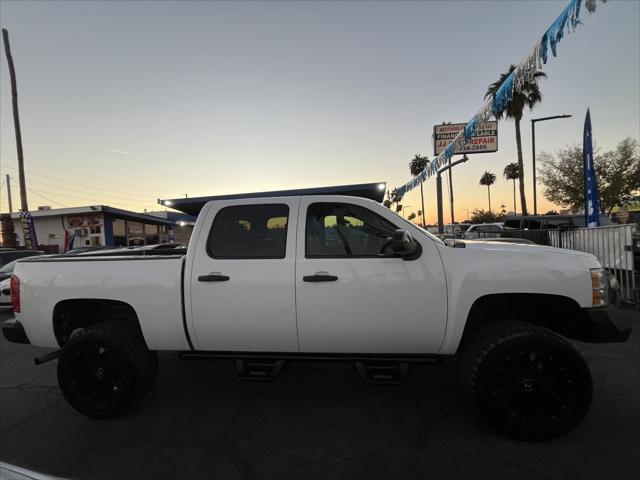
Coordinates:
[125,102]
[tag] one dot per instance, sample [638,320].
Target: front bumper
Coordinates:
[14,331]
[605,325]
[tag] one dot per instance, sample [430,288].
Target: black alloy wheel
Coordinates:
[104,369]
[529,383]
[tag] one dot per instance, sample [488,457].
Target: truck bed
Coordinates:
[150,284]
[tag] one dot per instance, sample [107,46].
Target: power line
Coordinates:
[46,198]
[92,199]
[70,172]
[82,184]
[97,194]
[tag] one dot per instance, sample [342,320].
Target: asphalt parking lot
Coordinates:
[314,421]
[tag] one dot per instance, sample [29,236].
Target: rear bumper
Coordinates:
[14,331]
[605,326]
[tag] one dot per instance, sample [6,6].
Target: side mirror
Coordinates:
[402,243]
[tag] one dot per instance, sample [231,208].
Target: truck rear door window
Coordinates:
[249,231]
[344,230]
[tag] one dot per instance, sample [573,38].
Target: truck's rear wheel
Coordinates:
[105,368]
[529,383]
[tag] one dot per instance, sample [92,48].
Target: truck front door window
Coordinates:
[344,230]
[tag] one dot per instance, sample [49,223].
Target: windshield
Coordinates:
[428,234]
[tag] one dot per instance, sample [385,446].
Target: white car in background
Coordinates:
[5,293]
[484,230]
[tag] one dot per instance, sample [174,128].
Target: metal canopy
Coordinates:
[192,206]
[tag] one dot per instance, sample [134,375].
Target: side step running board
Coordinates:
[258,369]
[388,373]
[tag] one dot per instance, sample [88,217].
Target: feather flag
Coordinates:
[591,197]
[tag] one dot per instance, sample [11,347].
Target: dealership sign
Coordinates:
[483,140]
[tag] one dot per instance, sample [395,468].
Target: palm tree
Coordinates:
[488,179]
[416,166]
[528,95]
[512,172]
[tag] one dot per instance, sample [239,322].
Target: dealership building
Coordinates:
[60,229]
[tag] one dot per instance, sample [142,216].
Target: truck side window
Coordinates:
[249,231]
[345,230]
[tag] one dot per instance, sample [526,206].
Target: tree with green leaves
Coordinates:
[484,216]
[487,179]
[416,166]
[527,96]
[512,172]
[617,174]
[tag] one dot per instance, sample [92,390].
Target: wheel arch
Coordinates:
[72,314]
[559,313]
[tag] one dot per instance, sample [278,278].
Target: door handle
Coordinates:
[319,277]
[213,277]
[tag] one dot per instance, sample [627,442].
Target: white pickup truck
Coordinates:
[326,274]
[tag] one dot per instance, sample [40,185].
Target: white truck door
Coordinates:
[352,300]
[241,273]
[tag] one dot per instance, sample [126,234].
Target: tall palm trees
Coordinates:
[487,179]
[512,172]
[416,166]
[528,95]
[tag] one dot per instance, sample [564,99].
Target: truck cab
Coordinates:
[319,270]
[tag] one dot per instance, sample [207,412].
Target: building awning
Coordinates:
[192,206]
[104,209]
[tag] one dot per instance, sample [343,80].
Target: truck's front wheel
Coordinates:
[105,368]
[528,382]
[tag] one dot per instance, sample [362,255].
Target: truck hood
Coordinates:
[489,246]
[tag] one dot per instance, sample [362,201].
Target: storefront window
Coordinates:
[151,234]
[119,233]
[163,234]
[136,234]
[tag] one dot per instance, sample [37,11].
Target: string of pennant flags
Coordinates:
[525,72]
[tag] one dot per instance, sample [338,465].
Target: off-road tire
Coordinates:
[529,383]
[106,368]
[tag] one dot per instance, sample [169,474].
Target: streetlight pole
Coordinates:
[533,150]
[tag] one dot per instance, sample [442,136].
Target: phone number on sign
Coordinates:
[469,148]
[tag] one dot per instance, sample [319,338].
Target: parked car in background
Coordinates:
[450,230]
[484,230]
[10,254]
[537,227]
[79,250]
[5,293]
[621,215]
[539,222]
[6,270]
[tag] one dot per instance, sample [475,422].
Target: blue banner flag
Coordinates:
[591,197]
[28,230]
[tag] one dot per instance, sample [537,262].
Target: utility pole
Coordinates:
[451,192]
[439,189]
[9,194]
[439,196]
[16,121]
